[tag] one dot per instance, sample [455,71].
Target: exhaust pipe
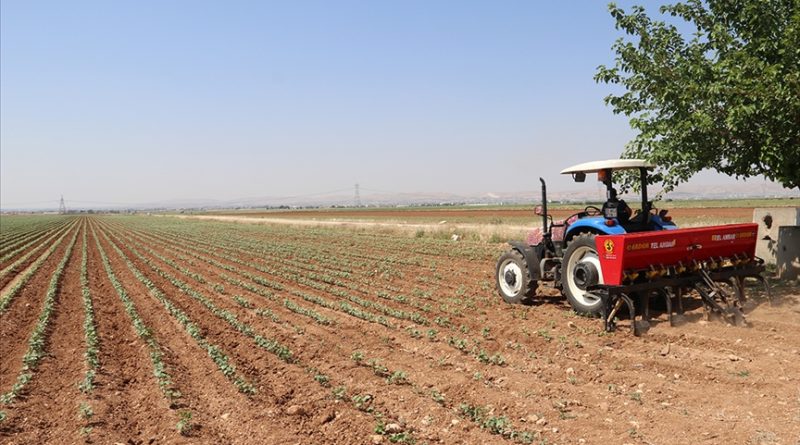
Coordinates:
[544,205]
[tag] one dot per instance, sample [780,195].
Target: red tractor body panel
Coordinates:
[632,252]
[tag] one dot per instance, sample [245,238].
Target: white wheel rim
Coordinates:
[580,255]
[512,267]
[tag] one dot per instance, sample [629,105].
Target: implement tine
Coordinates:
[679,294]
[708,299]
[632,310]
[738,285]
[614,310]
[667,293]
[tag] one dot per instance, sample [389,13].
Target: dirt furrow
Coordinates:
[25,246]
[14,271]
[473,370]
[50,409]
[10,240]
[18,320]
[127,404]
[331,348]
[414,405]
[222,414]
[592,378]
[279,383]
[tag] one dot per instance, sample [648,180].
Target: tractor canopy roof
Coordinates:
[613,164]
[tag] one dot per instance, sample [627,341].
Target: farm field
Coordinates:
[143,329]
[687,212]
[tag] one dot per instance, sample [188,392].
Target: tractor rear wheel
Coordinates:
[513,279]
[580,269]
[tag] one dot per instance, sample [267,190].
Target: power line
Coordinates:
[52,201]
[80,202]
[382,191]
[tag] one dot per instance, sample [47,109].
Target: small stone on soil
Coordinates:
[328,418]
[393,428]
[295,410]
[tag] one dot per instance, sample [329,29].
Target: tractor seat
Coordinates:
[617,209]
[559,228]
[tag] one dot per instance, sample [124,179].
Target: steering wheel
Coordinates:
[594,211]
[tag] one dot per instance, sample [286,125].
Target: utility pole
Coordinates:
[357,199]
[62,208]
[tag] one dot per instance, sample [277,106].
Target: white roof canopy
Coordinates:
[614,164]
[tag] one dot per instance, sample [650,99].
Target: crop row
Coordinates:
[302,255]
[15,248]
[6,299]
[215,352]
[230,280]
[242,275]
[336,264]
[288,304]
[160,369]
[459,343]
[320,282]
[17,229]
[120,237]
[244,285]
[268,344]
[499,425]
[12,268]
[342,306]
[363,281]
[38,338]
[89,329]
[289,268]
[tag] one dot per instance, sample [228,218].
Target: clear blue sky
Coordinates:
[142,101]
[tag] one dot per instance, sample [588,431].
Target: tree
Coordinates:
[725,97]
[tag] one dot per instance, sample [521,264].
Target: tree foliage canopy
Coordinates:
[725,96]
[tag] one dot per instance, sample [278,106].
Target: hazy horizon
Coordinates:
[128,103]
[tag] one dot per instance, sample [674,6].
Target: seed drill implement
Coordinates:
[613,259]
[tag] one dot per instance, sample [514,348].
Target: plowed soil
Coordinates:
[328,335]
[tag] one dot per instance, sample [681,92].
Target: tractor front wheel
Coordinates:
[513,278]
[580,269]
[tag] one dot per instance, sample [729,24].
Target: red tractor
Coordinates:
[603,258]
